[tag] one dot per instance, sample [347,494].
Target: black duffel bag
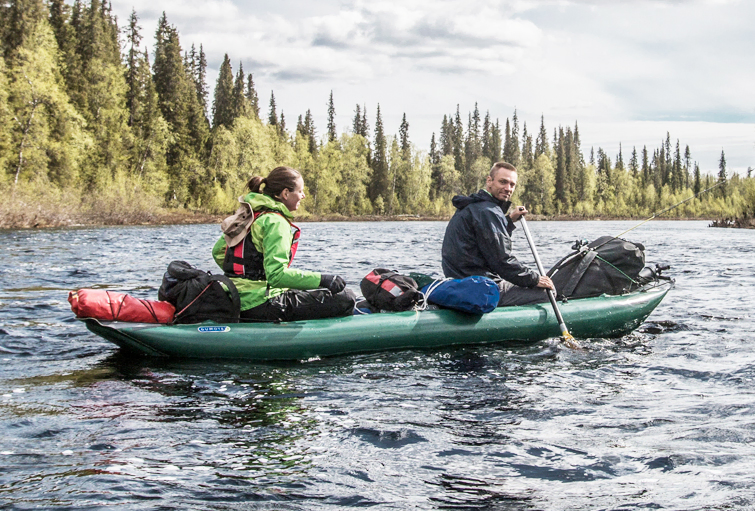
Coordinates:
[390,291]
[608,265]
[199,295]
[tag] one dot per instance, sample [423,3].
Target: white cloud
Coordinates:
[611,65]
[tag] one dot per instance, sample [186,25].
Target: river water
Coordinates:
[661,418]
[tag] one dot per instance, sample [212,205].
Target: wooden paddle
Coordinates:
[566,337]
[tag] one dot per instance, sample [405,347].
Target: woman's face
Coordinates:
[292,198]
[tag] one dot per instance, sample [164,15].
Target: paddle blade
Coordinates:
[568,340]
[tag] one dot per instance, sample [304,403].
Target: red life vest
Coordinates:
[244,260]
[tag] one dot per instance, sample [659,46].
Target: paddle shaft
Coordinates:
[551,293]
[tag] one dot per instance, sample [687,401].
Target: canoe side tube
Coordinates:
[604,316]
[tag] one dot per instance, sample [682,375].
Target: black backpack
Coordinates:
[608,265]
[198,295]
[387,290]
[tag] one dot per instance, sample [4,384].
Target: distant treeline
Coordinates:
[92,123]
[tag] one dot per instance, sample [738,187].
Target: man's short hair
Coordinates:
[500,165]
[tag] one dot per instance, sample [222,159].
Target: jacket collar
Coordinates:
[462,201]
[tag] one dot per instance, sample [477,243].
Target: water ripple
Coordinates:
[661,418]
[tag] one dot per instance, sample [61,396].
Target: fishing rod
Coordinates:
[661,212]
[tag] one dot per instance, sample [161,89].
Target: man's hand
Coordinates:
[517,213]
[545,282]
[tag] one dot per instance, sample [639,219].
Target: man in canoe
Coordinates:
[478,240]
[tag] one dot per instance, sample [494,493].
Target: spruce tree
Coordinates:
[365,132]
[60,21]
[20,18]
[619,160]
[722,178]
[515,155]
[678,178]
[182,111]
[697,187]
[541,142]
[200,79]
[403,131]
[272,118]
[458,142]
[356,124]
[103,93]
[150,130]
[134,37]
[446,137]
[687,163]
[239,104]
[667,162]
[435,174]
[300,126]
[222,104]
[251,96]
[507,152]
[332,133]
[309,129]
[495,142]
[486,142]
[473,149]
[379,186]
[562,187]
[634,163]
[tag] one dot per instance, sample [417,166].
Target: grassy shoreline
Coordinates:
[40,218]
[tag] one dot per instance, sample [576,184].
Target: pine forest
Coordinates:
[95,128]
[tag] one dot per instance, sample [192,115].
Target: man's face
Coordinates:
[502,185]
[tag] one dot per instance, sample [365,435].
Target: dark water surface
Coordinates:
[661,418]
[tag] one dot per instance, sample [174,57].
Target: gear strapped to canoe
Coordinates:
[387,290]
[110,306]
[608,265]
[198,295]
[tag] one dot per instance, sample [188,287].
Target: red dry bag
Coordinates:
[110,306]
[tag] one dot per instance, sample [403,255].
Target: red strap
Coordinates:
[386,284]
[238,252]
[150,308]
[192,302]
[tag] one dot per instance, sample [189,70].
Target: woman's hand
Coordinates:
[332,282]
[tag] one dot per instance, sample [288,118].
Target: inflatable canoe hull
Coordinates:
[604,316]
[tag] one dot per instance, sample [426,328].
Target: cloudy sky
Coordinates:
[628,71]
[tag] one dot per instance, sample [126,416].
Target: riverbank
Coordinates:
[40,217]
[32,209]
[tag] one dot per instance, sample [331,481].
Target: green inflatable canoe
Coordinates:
[604,316]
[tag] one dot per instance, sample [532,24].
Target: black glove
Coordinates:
[332,282]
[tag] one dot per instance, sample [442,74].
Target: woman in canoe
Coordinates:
[257,248]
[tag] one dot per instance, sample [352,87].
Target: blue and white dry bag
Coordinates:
[474,295]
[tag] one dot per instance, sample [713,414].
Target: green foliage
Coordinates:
[6,120]
[93,134]
[46,138]
[355,174]
[536,188]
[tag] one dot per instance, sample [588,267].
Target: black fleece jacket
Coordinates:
[478,242]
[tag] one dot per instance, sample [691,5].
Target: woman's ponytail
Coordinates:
[255,183]
[279,179]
